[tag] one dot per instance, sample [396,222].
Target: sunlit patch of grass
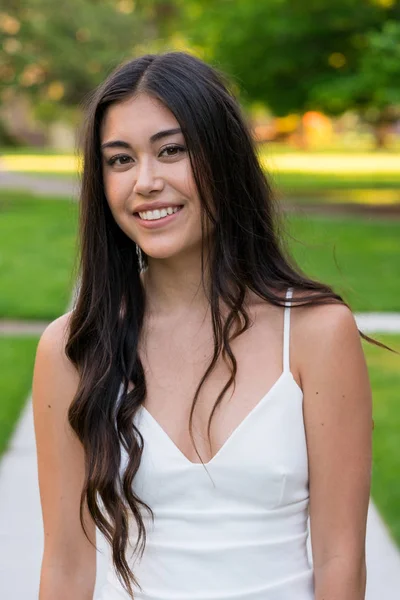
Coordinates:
[356,164]
[375,197]
[31,163]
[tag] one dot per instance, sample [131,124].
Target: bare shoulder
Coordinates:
[320,323]
[51,346]
[54,374]
[326,331]
[56,333]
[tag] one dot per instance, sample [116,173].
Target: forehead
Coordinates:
[140,117]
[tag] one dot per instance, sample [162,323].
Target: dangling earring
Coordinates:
[139,253]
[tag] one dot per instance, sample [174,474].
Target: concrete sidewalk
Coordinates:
[21,536]
[367,322]
[63,187]
[378,322]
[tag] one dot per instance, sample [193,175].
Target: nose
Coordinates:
[147,178]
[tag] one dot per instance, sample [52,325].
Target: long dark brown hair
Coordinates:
[248,253]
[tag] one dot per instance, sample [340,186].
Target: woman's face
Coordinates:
[146,167]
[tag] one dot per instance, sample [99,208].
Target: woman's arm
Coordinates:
[338,423]
[68,569]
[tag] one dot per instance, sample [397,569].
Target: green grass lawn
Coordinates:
[17,355]
[292,182]
[384,370]
[37,243]
[358,256]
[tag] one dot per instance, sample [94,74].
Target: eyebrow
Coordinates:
[154,138]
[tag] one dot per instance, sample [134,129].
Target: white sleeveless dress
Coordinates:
[238,530]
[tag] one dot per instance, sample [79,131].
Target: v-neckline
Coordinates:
[234,433]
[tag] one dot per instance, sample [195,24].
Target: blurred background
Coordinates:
[319,85]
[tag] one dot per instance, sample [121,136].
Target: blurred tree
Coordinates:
[372,89]
[378,79]
[57,52]
[291,55]
[299,55]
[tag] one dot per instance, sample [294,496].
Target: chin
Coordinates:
[179,249]
[161,253]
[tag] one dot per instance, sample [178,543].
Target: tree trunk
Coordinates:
[381,131]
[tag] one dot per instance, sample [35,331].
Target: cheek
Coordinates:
[184,180]
[117,190]
[116,199]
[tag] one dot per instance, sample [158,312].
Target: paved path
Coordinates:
[16,328]
[378,322]
[44,186]
[367,322]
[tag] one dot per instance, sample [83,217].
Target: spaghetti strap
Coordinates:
[286,331]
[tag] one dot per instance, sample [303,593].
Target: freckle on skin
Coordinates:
[49,405]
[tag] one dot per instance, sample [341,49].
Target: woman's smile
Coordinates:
[157,218]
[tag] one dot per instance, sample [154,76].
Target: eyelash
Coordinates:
[111,161]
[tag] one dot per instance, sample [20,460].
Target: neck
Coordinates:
[174,287]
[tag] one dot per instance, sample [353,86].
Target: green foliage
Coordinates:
[290,55]
[6,139]
[294,55]
[380,65]
[59,51]
[372,88]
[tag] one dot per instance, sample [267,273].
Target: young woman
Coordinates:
[203,396]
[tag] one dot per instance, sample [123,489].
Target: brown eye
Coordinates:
[173,150]
[124,158]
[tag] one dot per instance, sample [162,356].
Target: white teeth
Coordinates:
[151,215]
